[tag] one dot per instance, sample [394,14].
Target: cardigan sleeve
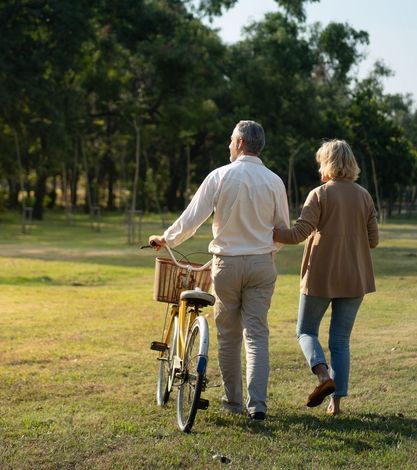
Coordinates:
[372,227]
[305,224]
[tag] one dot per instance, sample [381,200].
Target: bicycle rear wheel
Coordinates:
[193,374]
[166,364]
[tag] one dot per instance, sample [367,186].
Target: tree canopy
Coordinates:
[93,93]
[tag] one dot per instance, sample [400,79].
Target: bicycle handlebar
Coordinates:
[184,266]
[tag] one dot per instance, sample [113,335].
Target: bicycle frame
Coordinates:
[186,317]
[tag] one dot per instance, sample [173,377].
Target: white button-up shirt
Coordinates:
[248,201]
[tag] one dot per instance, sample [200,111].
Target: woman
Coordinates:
[339,220]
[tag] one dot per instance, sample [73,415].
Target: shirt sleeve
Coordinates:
[197,212]
[305,224]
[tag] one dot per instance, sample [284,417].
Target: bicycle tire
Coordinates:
[166,362]
[193,374]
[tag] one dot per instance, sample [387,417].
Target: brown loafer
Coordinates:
[320,393]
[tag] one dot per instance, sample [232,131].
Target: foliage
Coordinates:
[380,138]
[92,92]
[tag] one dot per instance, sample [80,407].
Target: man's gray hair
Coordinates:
[252,134]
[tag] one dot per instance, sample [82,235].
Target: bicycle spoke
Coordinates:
[193,380]
[164,384]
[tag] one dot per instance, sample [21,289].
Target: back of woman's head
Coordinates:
[336,160]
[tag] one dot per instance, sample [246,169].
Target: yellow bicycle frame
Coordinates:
[185,320]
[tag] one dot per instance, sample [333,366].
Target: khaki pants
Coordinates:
[243,288]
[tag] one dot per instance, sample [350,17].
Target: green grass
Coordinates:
[77,378]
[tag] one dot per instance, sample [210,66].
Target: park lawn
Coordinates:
[77,378]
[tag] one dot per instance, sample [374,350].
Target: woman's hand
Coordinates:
[276,235]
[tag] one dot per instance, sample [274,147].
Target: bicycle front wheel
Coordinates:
[193,374]
[166,365]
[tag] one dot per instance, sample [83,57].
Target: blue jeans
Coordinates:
[310,313]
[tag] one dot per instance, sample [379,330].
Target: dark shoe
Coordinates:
[257,417]
[320,393]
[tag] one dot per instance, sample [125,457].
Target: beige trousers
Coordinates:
[243,287]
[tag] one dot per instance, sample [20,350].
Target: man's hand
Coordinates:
[157,242]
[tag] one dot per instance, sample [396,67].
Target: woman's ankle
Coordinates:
[334,406]
[322,372]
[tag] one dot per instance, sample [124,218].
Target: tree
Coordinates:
[381,144]
[40,46]
[82,84]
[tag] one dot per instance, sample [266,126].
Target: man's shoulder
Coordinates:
[220,171]
[273,177]
[272,174]
[231,169]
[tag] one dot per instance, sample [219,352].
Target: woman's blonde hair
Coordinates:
[336,160]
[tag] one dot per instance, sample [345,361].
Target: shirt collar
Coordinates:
[249,158]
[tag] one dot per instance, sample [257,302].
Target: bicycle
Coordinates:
[185,338]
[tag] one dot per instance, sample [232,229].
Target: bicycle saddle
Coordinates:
[199,296]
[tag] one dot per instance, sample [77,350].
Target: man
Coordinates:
[248,201]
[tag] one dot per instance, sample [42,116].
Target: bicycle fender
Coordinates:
[202,364]
[204,344]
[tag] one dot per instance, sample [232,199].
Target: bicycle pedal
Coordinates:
[158,346]
[203,404]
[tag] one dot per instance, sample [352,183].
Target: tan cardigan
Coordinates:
[339,219]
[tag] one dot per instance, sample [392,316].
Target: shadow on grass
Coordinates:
[361,432]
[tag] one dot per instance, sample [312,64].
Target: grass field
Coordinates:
[77,378]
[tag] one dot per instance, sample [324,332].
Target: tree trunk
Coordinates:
[74,188]
[137,167]
[111,170]
[109,166]
[390,205]
[74,176]
[297,201]
[124,203]
[364,173]
[40,186]
[20,167]
[378,202]
[400,200]
[64,186]
[132,213]
[187,197]
[173,196]
[13,199]
[89,202]
[52,194]
[291,182]
[157,195]
[40,191]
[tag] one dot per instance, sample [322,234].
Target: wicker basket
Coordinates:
[170,280]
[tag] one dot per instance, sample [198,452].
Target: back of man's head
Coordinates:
[253,136]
